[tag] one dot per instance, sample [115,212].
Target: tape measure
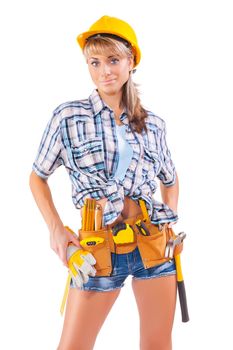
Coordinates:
[91,241]
[123,233]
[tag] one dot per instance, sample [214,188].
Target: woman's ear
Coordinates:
[131,63]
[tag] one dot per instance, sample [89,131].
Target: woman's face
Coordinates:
[109,73]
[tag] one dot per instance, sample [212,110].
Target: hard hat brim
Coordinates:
[81,39]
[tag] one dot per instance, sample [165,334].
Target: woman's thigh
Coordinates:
[85,313]
[156,302]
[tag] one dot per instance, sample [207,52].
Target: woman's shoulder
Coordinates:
[75,108]
[153,121]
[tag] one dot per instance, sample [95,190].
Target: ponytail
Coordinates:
[135,112]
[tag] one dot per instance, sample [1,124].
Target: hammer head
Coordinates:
[172,243]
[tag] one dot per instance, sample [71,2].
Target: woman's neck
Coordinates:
[113,101]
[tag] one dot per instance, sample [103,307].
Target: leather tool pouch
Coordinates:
[152,247]
[101,251]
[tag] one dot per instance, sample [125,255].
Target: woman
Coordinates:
[113,150]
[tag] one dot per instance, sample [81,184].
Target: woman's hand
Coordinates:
[171,224]
[59,239]
[59,236]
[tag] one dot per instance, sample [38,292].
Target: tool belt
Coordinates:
[155,242]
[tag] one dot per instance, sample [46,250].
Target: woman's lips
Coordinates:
[110,81]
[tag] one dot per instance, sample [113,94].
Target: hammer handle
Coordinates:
[181,290]
[183,301]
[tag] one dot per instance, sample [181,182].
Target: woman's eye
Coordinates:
[114,60]
[94,63]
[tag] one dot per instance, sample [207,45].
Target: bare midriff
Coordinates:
[131,208]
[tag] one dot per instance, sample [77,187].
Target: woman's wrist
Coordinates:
[55,226]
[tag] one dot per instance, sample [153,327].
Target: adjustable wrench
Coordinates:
[172,243]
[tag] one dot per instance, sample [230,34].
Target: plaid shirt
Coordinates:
[81,135]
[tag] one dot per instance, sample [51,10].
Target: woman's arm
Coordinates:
[59,236]
[170,194]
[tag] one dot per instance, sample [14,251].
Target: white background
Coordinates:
[185,77]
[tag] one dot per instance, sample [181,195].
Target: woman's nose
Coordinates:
[106,70]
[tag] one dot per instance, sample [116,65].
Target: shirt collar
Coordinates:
[98,105]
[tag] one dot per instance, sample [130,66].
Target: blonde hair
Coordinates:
[130,94]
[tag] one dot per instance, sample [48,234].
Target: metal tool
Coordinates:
[142,228]
[172,243]
[169,253]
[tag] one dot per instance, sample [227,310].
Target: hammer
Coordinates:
[172,243]
[169,251]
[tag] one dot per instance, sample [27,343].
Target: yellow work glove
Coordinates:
[80,264]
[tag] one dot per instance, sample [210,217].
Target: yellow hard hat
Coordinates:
[112,26]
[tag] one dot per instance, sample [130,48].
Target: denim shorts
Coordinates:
[123,266]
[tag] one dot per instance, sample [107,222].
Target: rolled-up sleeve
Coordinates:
[167,173]
[49,153]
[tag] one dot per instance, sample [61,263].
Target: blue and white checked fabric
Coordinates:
[81,135]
